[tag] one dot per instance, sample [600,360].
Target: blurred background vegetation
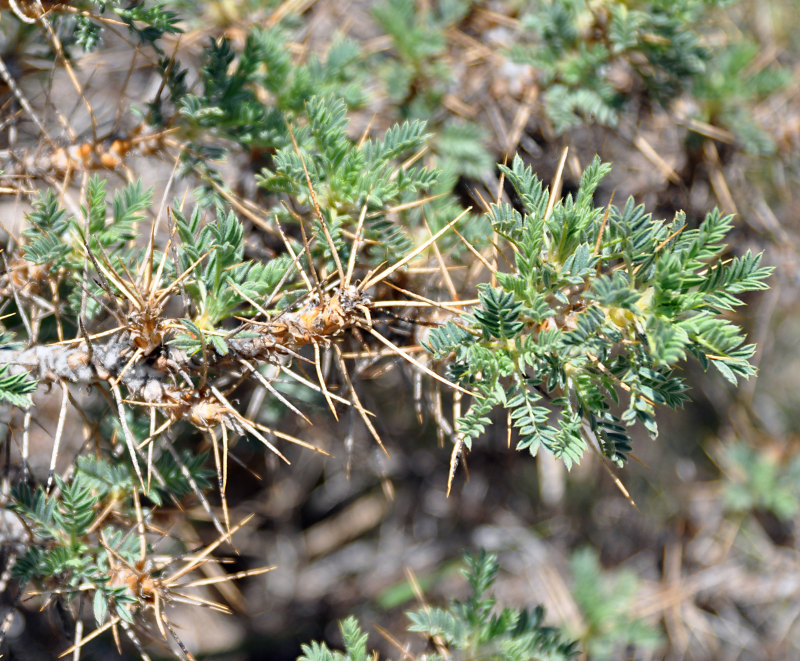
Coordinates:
[697,104]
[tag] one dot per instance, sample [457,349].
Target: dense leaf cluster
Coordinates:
[580,52]
[72,549]
[598,302]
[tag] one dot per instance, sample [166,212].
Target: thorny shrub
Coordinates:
[152,316]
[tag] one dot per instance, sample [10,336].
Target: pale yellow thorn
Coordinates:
[418,364]
[555,187]
[383,274]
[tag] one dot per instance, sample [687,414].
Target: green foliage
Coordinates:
[355,645]
[157,20]
[147,20]
[313,99]
[418,75]
[88,34]
[220,282]
[606,600]
[755,480]
[734,83]
[67,545]
[473,629]
[579,50]
[116,481]
[417,70]
[16,388]
[601,302]
[60,523]
[48,221]
[468,630]
[234,86]
[349,179]
[75,513]
[578,339]
[128,207]
[60,242]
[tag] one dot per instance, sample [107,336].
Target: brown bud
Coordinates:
[110,160]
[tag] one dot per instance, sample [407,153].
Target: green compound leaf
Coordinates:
[598,309]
